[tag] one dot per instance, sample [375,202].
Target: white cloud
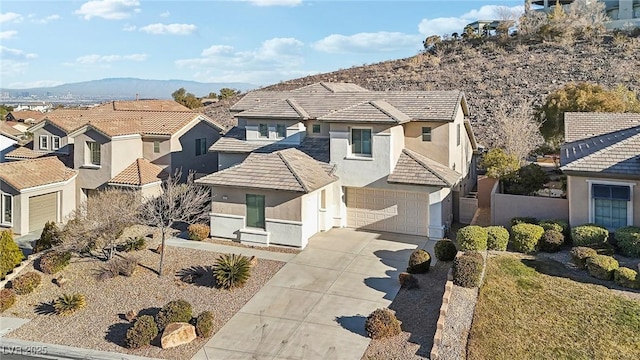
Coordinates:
[10,16]
[172,29]
[48,19]
[165,14]
[448,25]
[34,84]
[368,42]
[15,54]
[5,35]
[11,68]
[217,50]
[101,59]
[108,9]
[129,28]
[275,2]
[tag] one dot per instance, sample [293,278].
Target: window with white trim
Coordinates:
[361,142]
[55,142]
[156,147]
[6,209]
[281,130]
[426,133]
[93,152]
[44,142]
[611,205]
[201,146]
[263,129]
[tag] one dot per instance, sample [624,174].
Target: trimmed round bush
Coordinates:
[54,261]
[602,266]
[525,237]
[580,254]
[467,269]
[204,324]
[143,331]
[498,238]
[173,311]
[382,323]
[10,254]
[472,238]
[7,299]
[198,232]
[626,277]
[551,241]
[26,283]
[628,239]
[445,250]
[589,235]
[523,220]
[419,262]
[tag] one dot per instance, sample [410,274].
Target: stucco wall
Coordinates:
[324,129]
[92,177]
[579,202]
[6,145]
[163,158]
[50,130]
[283,205]
[505,206]
[436,149]
[227,160]
[296,130]
[184,153]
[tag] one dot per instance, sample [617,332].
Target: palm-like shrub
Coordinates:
[26,283]
[382,323]
[498,238]
[628,239]
[69,303]
[198,232]
[10,253]
[419,262]
[231,270]
[143,331]
[173,311]
[134,244]
[472,238]
[204,324]
[445,250]
[7,299]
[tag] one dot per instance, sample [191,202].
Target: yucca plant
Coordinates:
[231,270]
[68,304]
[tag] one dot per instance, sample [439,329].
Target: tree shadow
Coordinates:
[197,275]
[354,323]
[45,308]
[117,332]
[152,311]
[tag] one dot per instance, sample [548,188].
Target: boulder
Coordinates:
[61,281]
[176,334]
[130,315]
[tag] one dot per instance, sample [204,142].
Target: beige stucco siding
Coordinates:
[296,130]
[124,151]
[162,158]
[324,129]
[92,177]
[580,203]
[436,149]
[282,205]
[50,131]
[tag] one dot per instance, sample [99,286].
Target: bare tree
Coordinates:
[587,17]
[98,223]
[179,202]
[518,132]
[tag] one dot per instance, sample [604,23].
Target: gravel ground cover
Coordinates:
[418,310]
[274,248]
[458,323]
[102,325]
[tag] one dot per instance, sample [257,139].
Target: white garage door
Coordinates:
[42,208]
[385,210]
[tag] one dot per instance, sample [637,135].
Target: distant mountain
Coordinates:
[128,88]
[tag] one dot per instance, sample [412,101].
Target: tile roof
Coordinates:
[288,169]
[7,129]
[280,109]
[24,152]
[140,172]
[413,168]
[35,172]
[378,111]
[579,126]
[328,87]
[149,105]
[27,114]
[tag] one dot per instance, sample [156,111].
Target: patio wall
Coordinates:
[505,206]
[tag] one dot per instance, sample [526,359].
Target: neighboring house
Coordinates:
[621,13]
[337,155]
[33,107]
[35,191]
[8,139]
[25,116]
[601,158]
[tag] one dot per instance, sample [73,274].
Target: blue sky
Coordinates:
[47,43]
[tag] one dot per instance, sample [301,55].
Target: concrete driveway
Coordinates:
[316,305]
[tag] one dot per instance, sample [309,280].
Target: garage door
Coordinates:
[42,208]
[385,210]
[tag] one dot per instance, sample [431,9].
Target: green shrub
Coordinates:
[143,331]
[472,238]
[580,254]
[523,220]
[551,241]
[445,250]
[26,283]
[589,235]
[467,269]
[626,277]
[54,261]
[173,311]
[628,239]
[68,304]
[419,262]
[134,244]
[382,323]
[231,270]
[204,324]
[7,299]
[498,238]
[408,281]
[10,254]
[526,237]
[51,236]
[602,266]
[558,225]
[198,232]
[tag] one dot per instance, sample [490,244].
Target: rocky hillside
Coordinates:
[491,72]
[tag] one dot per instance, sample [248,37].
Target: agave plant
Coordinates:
[231,270]
[68,304]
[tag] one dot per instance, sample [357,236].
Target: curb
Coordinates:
[53,351]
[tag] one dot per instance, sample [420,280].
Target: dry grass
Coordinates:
[524,314]
[102,325]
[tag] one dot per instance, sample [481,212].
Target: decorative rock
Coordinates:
[61,281]
[159,249]
[253,261]
[130,315]
[176,334]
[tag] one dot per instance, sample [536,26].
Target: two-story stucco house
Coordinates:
[601,158]
[337,155]
[132,144]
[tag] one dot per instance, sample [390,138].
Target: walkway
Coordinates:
[316,305]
